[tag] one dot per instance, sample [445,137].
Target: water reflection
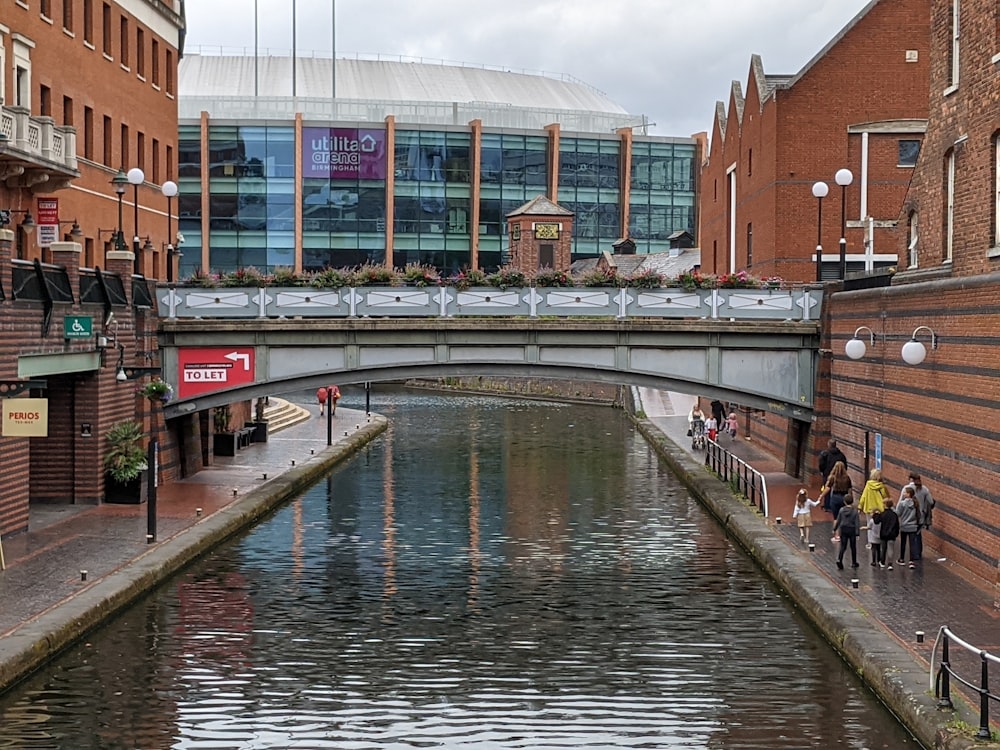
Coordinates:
[489,574]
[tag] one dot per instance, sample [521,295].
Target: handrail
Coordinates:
[941,682]
[732,469]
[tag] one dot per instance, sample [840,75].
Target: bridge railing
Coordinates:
[736,472]
[942,680]
[798,304]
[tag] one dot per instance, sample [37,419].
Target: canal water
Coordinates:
[488,574]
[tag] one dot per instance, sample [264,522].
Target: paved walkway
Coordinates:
[44,565]
[902,601]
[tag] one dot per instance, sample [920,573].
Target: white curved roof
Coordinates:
[227,75]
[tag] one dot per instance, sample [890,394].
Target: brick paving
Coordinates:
[902,601]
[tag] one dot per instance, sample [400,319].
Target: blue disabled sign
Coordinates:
[78,327]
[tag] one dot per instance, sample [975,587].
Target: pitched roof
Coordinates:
[540,205]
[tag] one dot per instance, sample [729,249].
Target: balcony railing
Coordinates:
[34,143]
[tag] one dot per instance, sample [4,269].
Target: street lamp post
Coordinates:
[136,177]
[820,190]
[120,180]
[844,177]
[169,190]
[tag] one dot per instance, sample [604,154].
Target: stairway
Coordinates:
[280,414]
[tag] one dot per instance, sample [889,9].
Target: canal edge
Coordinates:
[896,677]
[41,639]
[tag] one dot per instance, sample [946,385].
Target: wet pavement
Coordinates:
[45,577]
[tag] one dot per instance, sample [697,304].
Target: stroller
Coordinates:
[698,434]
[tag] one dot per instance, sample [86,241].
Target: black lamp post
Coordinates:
[169,190]
[120,180]
[844,177]
[820,190]
[136,177]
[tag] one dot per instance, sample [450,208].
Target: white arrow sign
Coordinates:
[236,357]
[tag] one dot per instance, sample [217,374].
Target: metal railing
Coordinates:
[941,682]
[737,473]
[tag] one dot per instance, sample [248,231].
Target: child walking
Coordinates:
[875,538]
[732,424]
[802,513]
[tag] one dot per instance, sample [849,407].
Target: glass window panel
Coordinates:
[280,152]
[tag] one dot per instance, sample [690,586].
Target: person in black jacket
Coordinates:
[889,531]
[829,457]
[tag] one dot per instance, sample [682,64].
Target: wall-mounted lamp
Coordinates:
[27,223]
[855,348]
[131,373]
[913,351]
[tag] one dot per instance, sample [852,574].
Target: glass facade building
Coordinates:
[305,192]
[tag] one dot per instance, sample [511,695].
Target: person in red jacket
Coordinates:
[321,395]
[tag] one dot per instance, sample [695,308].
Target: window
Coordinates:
[170,72]
[749,162]
[67,111]
[106,29]
[912,235]
[124,41]
[140,150]
[155,63]
[156,161]
[68,14]
[124,146]
[908,153]
[949,205]
[88,133]
[169,160]
[140,53]
[954,57]
[45,101]
[45,8]
[995,234]
[107,141]
[88,22]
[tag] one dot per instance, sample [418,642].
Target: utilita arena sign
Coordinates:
[343,153]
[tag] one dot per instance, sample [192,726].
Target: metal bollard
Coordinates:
[235,492]
[812,547]
[83,575]
[854,583]
[920,636]
[777,520]
[197,512]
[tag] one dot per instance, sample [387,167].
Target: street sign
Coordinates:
[878,450]
[78,327]
[205,370]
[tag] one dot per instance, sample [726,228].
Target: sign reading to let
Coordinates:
[78,327]
[25,417]
[204,369]
[48,221]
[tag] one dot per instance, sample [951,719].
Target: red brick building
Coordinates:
[940,417]
[87,89]
[859,104]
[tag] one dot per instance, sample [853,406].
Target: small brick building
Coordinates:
[541,236]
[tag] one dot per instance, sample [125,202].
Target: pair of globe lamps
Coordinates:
[913,351]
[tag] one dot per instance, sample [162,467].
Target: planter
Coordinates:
[131,492]
[260,430]
[224,444]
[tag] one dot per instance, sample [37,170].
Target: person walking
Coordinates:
[331,391]
[925,509]
[888,531]
[874,494]
[719,412]
[712,427]
[321,398]
[839,487]
[909,522]
[802,513]
[830,456]
[847,525]
[695,415]
[875,538]
[732,424]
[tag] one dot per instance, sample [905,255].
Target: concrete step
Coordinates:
[280,414]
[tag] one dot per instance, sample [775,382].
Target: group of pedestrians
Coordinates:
[884,521]
[718,422]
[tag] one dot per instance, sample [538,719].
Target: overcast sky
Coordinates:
[668,59]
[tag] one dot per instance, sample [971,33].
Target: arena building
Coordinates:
[396,161]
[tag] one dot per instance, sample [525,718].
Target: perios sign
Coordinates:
[343,153]
[204,370]
[25,417]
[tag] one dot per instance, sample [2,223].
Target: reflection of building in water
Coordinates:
[429,161]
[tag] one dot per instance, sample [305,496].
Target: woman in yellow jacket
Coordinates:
[874,495]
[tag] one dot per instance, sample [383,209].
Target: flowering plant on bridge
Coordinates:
[549,277]
[466,279]
[691,280]
[507,277]
[416,274]
[157,391]
[374,275]
[648,279]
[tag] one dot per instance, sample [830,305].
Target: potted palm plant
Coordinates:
[124,463]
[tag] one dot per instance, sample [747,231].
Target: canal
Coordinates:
[489,573]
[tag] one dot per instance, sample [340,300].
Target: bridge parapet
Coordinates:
[799,304]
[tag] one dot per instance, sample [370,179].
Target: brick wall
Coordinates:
[800,134]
